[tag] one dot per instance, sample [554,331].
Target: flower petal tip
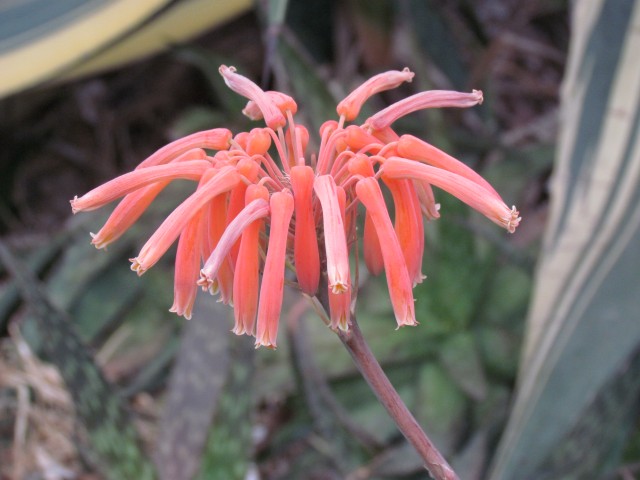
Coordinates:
[137,267]
[514,220]
[97,241]
[343,325]
[421,278]
[73,202]
[409,322]
[186,313]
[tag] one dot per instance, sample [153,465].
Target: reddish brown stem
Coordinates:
[387,395]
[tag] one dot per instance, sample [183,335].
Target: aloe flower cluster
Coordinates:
[264,202]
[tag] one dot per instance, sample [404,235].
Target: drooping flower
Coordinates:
[261,195]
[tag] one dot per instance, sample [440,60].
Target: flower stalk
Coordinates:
[387,395]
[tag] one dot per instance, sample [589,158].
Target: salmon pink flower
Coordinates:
[246,282]
[272,288]
[187,267]
[261,195]
[350,106]
[398,280]
[305,247]
[419,101]
[474,194]
[337,254]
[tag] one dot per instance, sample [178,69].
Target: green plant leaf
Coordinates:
[440,407]
[583,324]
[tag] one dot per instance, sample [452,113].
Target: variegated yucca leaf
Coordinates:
[44,41]
[579,381]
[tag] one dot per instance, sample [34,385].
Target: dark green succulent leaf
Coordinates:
[499,349]
[440,408]
[460,357]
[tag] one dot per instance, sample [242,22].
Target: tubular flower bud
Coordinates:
[245,87]
[472,193]
[282,101]
[187,270]
[357,138]
[246,281]
[420,101]
[258,142]
[351,105]
[216,139]
[272,287]
[400,285]
[166,234]
[305,250]
[413,148]
[133,205]
[334,238]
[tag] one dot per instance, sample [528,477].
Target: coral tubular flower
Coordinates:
[282,206]
[262,201]
[133,205]
[419,101]
[272,115]
[413,148]
[351,105]
[470,192]
[187,267]
[305,249]
[334,237]
[246,282]
[400,286]
[215,223]
[162,239]
[340,301]
[258,208]
[129,182]
[216,139]
[408,225]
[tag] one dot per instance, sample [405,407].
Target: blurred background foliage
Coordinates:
[510,381]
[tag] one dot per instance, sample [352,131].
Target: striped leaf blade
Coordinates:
[583,326]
